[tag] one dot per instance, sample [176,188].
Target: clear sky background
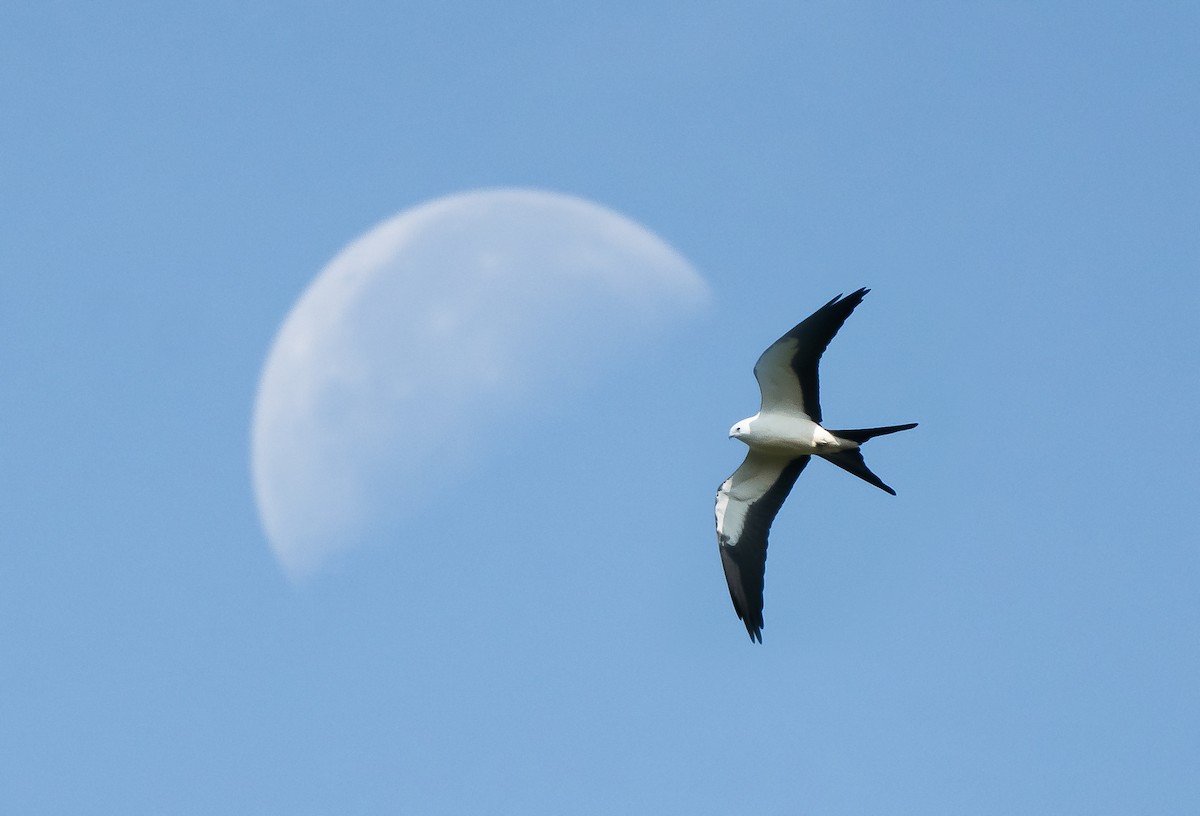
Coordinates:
[1018,631]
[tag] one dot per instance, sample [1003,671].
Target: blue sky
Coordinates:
[1017,631]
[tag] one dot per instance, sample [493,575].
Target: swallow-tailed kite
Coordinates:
[782,436]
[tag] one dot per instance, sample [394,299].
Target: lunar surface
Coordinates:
[429,330]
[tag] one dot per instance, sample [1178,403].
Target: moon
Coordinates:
[429,329]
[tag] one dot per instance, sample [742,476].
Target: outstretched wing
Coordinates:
[787,371]
[747,503]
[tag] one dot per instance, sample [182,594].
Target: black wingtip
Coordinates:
[754,625]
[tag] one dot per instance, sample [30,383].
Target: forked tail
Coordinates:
[851,461]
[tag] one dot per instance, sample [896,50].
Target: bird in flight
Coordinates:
[782,436]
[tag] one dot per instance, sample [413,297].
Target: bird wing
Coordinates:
[787,370]
[747,503]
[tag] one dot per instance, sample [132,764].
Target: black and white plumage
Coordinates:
[782,436]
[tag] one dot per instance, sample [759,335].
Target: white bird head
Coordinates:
[741,428]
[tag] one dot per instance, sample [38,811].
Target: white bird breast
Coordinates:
[788,434]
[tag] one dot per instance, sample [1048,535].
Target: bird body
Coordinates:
[785,432]
[782,437]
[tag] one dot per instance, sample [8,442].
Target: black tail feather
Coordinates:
[863,434]
[851,461]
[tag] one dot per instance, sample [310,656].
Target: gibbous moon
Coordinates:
[427,330]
